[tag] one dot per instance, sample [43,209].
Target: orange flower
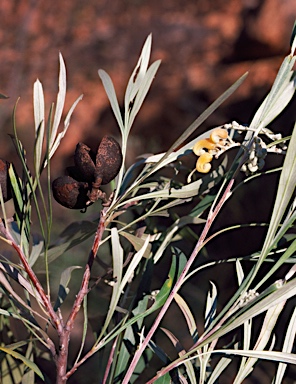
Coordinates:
[218,134]
[205,149]
[201,145]
[203,163]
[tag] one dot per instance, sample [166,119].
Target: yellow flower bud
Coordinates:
[205,149]
[203,163]
[199,146]
[218,134]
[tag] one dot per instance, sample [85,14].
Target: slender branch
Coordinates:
[211,217]
[45,299]
[84,285]
[62,374]
[110,360]
[80,362]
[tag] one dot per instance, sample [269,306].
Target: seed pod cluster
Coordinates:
[82,187]
[4,180]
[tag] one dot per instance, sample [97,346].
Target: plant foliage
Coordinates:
[130,242]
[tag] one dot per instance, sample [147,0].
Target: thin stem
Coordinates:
[110,360]
[211,217]
[62,374]
[45,299]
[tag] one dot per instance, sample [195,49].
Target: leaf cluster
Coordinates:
[137,243]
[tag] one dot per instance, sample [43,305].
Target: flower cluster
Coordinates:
[205,149]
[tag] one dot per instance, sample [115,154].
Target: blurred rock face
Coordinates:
[204,46]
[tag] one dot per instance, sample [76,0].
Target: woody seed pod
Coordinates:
[108,160]
[70,193]
[84,164]
[108,163]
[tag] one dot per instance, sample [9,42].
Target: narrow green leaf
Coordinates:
[117,256]
[22,208]
[143,90]
[279,104]
[289,358]
[281,85]
[211,305]
[18,277]
[29,376]
[60,136]
[269,323]
[293,39]
[176,268]
[188,316]
[289,343]
[138,74]
[158,351]
[17,188]
[63,287]
[60,101]
[27,362]
[3,208]
[134,263]
[84,332]
[279,96]
[219,368]
[137,242]
[247,338]
[239,272]
[285,191]
[117,259]
[256,307]
[284,257]
[170,233]
[38,103]
[110,91]
[124,356]
[35,252]
[17,344]
[165,379]
[73,235]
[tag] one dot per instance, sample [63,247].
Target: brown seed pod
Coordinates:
[4,180]
[108,160]
[70,193]
[108,163]
[84,164]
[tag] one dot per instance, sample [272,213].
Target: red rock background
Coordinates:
[204,45]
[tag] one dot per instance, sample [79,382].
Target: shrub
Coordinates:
[130,240]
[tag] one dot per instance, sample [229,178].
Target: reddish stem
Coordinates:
[212,215]
[62,375]
[45,299]
[63,330]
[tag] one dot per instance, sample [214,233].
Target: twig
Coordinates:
[63,330]
[111,357]
[62,374]
[212,215]
[45,299]
[93,350]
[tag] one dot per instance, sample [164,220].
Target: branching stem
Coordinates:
[62,374]
[211,217]
[63,329]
